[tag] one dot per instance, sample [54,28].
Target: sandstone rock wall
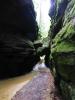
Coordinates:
[18,28]
[63,45]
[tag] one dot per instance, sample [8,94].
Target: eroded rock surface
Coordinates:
[63,45]
[18,28]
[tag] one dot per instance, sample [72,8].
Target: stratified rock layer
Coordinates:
[18,28]
[63,46]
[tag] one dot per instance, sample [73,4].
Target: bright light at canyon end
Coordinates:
[42,10]
[45,6]
[45,19]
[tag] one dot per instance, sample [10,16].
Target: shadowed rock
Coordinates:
[18,28]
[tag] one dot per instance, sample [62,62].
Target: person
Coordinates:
[40,66]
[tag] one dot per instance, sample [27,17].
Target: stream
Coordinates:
[9,87]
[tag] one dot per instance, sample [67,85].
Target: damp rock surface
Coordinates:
[63,45]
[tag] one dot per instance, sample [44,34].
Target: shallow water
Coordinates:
[9,87]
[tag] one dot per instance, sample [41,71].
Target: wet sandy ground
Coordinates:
[41,87]
[9,87]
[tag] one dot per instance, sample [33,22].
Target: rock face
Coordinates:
[40,88]
[56,13]
[63,45]
[18,28]
[18,17]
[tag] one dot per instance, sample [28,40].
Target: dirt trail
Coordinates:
[41,87]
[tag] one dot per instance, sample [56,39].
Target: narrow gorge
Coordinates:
[30,29]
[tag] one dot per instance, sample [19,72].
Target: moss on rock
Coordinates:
[63,51]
